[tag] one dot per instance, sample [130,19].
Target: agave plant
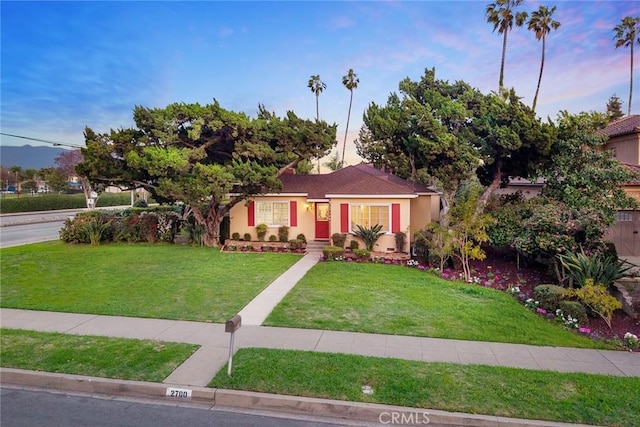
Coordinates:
[95,229]
[369,235]
[602,270]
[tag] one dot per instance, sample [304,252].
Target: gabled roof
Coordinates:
[361,180]
[624,126]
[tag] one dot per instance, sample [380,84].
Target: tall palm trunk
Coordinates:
[344,146]
[535,98]
[630,82]
[504,54]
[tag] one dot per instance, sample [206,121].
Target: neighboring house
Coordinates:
[321,205]
[624,140]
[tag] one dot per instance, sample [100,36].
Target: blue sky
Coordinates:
[67,65]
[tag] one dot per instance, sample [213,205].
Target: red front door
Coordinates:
[322,220]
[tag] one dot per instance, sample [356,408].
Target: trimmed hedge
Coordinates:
[52,202]
[158,224]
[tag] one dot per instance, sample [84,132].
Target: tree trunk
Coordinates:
[630,80]
[344,146]
[535,98]
[504,53]
[495,183]
[210,223]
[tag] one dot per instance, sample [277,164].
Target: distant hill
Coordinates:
[28,157]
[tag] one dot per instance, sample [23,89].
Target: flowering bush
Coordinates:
[513,290]
[631,341]
[567,320]
[531,304]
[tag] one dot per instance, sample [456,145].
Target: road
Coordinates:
[22,407]
[24,228]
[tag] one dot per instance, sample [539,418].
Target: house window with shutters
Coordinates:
[368,215]
[272,213]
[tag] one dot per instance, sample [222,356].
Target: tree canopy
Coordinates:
[204,156]
[441,134]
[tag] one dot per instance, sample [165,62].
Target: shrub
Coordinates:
[597,298]
[574,309]
[362,254]
[549,296]
[302,238]
[338,239]
[261,231]
[283,233]
[140,203]
[599,268]
[401,239]
[247,237]
[196,234]
[235,236]
[353,245]
[332,252]
[95,229]
[273,238]
[369,235]
[295,244]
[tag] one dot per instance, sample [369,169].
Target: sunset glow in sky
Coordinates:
[67,65]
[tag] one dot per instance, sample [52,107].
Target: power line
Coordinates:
[54,143]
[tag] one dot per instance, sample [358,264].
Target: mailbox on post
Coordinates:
[231,326]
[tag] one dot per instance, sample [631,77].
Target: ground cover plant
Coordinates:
[141,280]
[129,359]
[389,299]
[490,390]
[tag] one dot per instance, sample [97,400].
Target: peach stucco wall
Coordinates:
[414,214]
[626,148]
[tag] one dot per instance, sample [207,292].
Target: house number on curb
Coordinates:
[181,393]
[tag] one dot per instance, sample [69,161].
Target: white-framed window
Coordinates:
[272,213]
[367,215]
[624,216]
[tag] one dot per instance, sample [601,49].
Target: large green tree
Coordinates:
[205,156]
[581,173]
[422,134]
[349,81]
[541,23]
[614,109]
[627,35]
[441,134]
[501,14]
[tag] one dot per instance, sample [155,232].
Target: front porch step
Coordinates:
[317,244]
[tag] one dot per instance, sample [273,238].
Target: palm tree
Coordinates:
[626,33]
[541,23]
[350,81]
[500,14]
[317,86]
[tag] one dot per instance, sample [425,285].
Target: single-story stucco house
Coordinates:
[323,204]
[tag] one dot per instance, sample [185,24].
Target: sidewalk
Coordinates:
[201,367]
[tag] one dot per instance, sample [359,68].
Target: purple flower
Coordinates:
[540,310]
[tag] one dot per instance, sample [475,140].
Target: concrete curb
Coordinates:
[357,411]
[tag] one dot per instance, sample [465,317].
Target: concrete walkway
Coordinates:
[201,367]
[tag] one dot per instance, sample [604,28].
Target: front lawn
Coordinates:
[128,359]
[141,280]
[397,300]
[489,390]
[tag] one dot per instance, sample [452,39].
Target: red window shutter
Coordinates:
[251,214]
[293,213]
[344,217]
[395,217]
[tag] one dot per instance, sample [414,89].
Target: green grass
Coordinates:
[398,300]
[508,392]
[142,280]
[129,359]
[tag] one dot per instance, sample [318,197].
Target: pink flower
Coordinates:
[584,330]
[540,310]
